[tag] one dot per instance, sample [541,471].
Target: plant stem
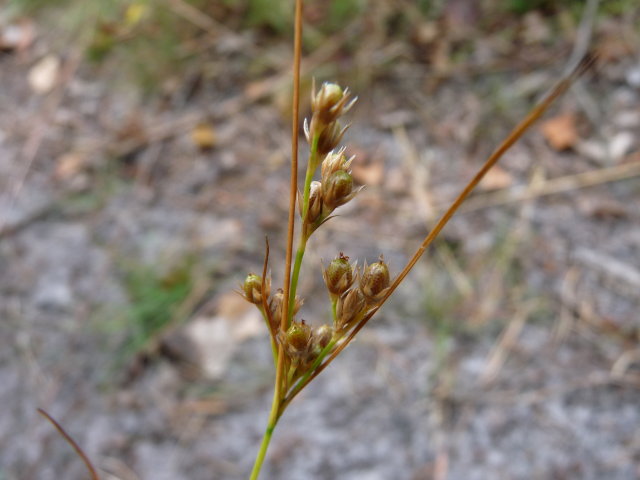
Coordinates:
[276,410]
[334,304]
[271,425]
[311,169]
[304,380]
[83,456]
[274,347]
[312,165]
[294,277]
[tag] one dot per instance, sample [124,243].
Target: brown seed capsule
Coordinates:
[329,103]
[338,276]
[350,307]
[327,97]
[315,202]
[337,190]
[375,281]
[322,335]
[252,288]
[333,162]
[297,341]
[330,138]
[275,307]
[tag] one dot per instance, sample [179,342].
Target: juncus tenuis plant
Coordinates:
[301,350]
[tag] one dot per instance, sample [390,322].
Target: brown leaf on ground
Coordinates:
[560,131]
[614,43]
[69,165]
[495,179]
[370,173]
[204,136]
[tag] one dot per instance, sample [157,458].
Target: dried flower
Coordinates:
[322,335]
[337,190]
[275,307]
[297,341]
[334,162]
[375,281]
[338,276]
[327,105]
[330,137]
[350,308]
[330,102]
[315,202]
[252,288]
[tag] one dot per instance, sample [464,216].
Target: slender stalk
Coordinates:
[277,390]
[312,165]
[304,380]
[267,321]
[311,168]
[83,456]
[296,274]
[266,439]
[334,305]
[293,184]
[264,306]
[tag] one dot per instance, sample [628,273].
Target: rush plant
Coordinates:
[301,351]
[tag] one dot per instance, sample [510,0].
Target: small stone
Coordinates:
[53,294]
[633,77]
[44,74]
[621,144]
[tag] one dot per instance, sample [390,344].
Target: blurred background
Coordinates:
[144,149]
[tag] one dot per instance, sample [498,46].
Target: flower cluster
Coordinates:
[353,292]
[353,300]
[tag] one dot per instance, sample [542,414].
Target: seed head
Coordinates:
[275,307]
[252,288]
[327,97]
[337,190]
[333,162]
[350,308]
[375,281]
[327,105]
[338,276]
[330,102]
[315,202]
[297,341]
[330,137]
[322,335]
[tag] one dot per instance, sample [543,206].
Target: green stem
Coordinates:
[312,165]
[277,407]
[334,304]
[271,425]
[304,379]
[294,276]
[306,193]
[274,347]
